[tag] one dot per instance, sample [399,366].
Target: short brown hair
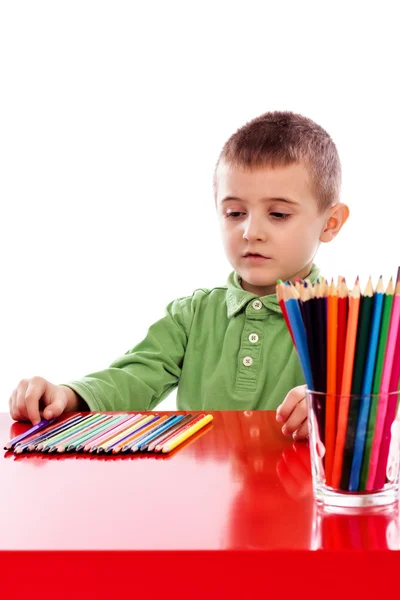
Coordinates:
[284,138]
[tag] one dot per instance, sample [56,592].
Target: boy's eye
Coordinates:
[234,214]
[280,216]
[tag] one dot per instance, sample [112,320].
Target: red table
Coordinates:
[228,515]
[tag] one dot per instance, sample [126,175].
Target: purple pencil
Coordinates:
[44,423]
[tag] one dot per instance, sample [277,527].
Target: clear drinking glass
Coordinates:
[355,448]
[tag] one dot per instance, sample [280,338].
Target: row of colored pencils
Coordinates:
[349,348]
[105,433]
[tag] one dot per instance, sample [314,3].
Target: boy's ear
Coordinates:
[337,218]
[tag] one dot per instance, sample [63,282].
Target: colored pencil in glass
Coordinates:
[383,337]
[351,337]
[320,320]
[105,437]
[116,448]
[279,295]
[330,427]
[306,300]
[30,442]
[111,426]
[390,417]
[143,435]
[360,358]
[367,389]
[124,435]
[299,332]
[343,305]
[179,439]
[166,434]
[43,446]
[170,422]
[85,436]
[44,423]
[385,387]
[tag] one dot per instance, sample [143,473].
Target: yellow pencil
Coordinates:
[187,434]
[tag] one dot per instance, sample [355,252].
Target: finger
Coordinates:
[296,418]
[288,405]
[34,392]
[13,406]
[56,406]
[301,433]
[19,404]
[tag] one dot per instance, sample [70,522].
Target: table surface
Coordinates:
[238,485]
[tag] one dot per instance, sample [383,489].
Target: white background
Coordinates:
[113,115]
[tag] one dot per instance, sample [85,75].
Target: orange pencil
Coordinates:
[330,422]
[351,338]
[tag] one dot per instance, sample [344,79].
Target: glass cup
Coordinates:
[355,448]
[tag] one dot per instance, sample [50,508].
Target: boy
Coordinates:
[276,187]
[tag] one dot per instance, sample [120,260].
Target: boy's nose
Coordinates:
[254,231]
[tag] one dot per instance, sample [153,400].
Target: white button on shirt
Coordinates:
[247,361]
[257,304]
[253,337]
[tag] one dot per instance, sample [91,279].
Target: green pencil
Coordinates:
[383,336]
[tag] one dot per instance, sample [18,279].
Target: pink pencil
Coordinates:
[390,417]
[384,389]
[112,431]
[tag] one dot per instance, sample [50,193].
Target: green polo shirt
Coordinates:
[225,349]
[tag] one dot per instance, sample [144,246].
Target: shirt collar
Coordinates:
[237,297]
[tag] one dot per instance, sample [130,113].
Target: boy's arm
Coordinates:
[147,373]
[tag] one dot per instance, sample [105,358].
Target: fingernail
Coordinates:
[49,415]
[279,418]
[284,430]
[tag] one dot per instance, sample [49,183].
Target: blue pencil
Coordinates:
[167,425]
[300,335]
[363,416]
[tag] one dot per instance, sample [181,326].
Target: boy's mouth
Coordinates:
[255,256]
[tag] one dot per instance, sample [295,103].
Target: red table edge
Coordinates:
[198,574]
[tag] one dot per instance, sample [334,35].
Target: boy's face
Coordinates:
[271,212]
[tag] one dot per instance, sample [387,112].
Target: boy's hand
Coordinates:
[293,413]
[30,394]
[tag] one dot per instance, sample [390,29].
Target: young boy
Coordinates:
[277,187]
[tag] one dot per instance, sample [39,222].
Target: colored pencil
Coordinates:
[29,443]
[69,443]
[343,305]
[330,423]
[92,445]
[44,423]
[392,399]
[164,428]
[299,333]
[145,433]
[383,336]
[385,388]
[43,446]
[117,447]
[363,334]
[279,294]
[163,436]
[351,337]
[107,447]
[179,439]
[180,431]
[367,389]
